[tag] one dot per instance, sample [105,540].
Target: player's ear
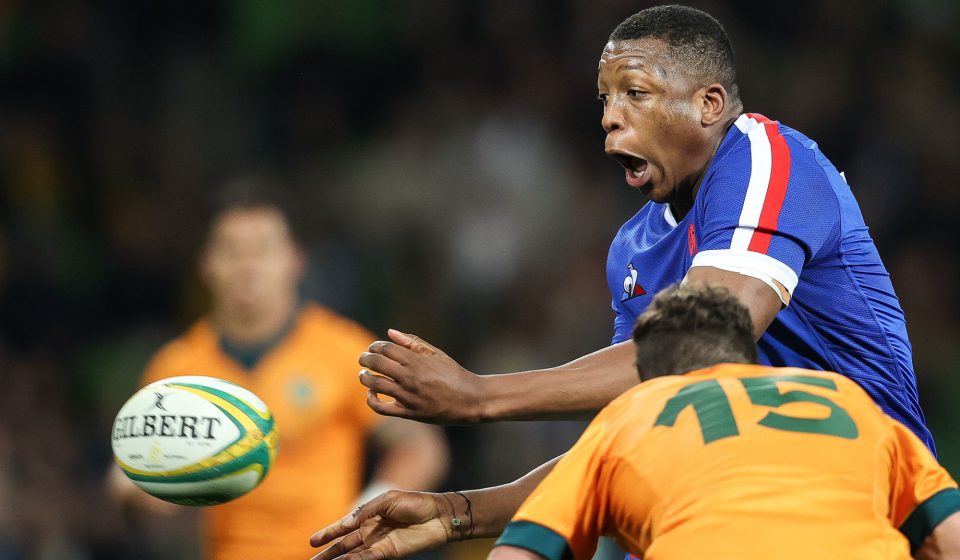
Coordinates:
[713,104]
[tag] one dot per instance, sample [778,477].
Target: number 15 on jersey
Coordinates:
[712,407]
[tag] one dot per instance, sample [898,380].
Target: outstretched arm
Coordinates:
[397,524]
[427,385]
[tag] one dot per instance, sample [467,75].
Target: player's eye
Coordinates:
[602,98]
[636,93]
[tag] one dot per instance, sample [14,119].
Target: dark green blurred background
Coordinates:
[447,161]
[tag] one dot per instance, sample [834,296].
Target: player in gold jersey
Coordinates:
[301,359]
[711,456]
[735,460]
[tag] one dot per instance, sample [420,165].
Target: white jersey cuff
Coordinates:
[756,265]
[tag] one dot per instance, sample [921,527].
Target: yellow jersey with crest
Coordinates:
[740,461]
[308,378]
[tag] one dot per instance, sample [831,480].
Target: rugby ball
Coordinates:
[195,440]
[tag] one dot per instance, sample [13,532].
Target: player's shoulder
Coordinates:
[318,321]
[757,144]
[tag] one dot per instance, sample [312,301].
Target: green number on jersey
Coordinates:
[764,391]
[712,407]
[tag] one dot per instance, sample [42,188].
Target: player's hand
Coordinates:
[392,525]
[424,383]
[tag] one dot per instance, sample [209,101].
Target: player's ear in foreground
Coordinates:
[944,542]
[714,104]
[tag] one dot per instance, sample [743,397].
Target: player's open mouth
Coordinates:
[636,167]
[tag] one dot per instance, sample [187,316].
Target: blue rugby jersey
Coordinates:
[771,205]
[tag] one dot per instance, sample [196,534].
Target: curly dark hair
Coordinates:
[696,39]
[688,327]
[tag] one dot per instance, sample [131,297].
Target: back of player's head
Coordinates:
[697,41]
[689,327]
[252,192]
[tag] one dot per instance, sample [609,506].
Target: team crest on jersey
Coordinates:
[301,392]
[631,288]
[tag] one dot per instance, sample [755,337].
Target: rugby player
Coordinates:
[299,358]
[711,456]
[736,200]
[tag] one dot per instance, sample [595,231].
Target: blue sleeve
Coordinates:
[768,206]
[622,323]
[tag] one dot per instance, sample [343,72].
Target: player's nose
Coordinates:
[612,120]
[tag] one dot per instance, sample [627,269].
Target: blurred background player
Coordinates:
[715,458]
[300,358]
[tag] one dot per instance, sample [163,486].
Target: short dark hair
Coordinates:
[689,327]
[697,41]
[252,192]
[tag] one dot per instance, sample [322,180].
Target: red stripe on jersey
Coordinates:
[692,240]
[776,188]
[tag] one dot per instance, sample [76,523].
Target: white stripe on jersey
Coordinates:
[758,265]
[761,165]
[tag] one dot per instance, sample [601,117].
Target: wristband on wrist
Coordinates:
[469,514]
[458,522]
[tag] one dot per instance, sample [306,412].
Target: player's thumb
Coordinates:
[411,342]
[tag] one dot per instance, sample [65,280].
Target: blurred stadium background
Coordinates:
[447,159]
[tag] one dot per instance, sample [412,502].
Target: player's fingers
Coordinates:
[381,385]
[368,554]
[335,530]
[350,522]
[394,351]
[340,547]
[347,544]
[382,364]
[387,408]
[413,342]
[365,554]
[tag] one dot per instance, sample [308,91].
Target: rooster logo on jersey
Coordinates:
[630,287]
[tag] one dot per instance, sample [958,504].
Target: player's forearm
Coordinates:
[944,542]
[574,390]
[493,507]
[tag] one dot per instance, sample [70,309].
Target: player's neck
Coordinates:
[252,327]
